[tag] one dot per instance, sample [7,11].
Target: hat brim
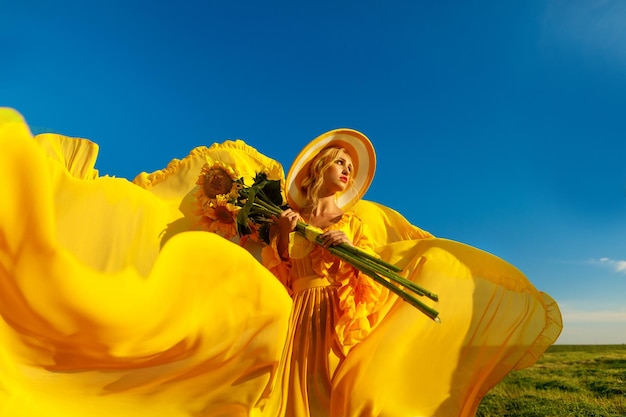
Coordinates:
[363,157]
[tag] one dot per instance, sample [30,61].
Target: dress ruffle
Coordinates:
[184,172]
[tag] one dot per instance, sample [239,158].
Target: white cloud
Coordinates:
[616,265]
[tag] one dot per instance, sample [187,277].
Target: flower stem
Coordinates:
[358,252]
[429,311]
[389,274]
[372,266]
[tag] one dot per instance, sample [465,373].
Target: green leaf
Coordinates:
[259,178]
[273,192]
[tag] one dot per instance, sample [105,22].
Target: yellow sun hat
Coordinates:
[358,147]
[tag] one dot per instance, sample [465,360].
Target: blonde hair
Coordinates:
[312,183]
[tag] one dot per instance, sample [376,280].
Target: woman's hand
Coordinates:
[334,238]
[287,221]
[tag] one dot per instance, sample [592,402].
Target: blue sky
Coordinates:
[498,124]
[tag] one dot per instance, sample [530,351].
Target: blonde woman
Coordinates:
[354,349]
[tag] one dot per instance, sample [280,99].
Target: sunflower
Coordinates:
[216,193]
[218,216]
[214,180]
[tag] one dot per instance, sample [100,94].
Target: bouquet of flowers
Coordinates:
[230,207]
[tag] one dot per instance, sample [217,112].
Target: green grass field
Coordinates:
[568,380]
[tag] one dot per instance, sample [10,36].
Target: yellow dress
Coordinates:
[114,302]
[401,363]
[334,308]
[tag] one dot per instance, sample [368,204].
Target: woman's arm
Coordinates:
[286,223]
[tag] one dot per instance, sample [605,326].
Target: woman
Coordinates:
[334,305]
[353,349]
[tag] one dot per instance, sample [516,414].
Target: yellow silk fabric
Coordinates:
[493,321]
[78,155]
[113,303]
[100,317]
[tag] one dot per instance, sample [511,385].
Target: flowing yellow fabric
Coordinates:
[112,302]
[77,155]
[493,321]
[100,317]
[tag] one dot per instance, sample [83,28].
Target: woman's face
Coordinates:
[337,176]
